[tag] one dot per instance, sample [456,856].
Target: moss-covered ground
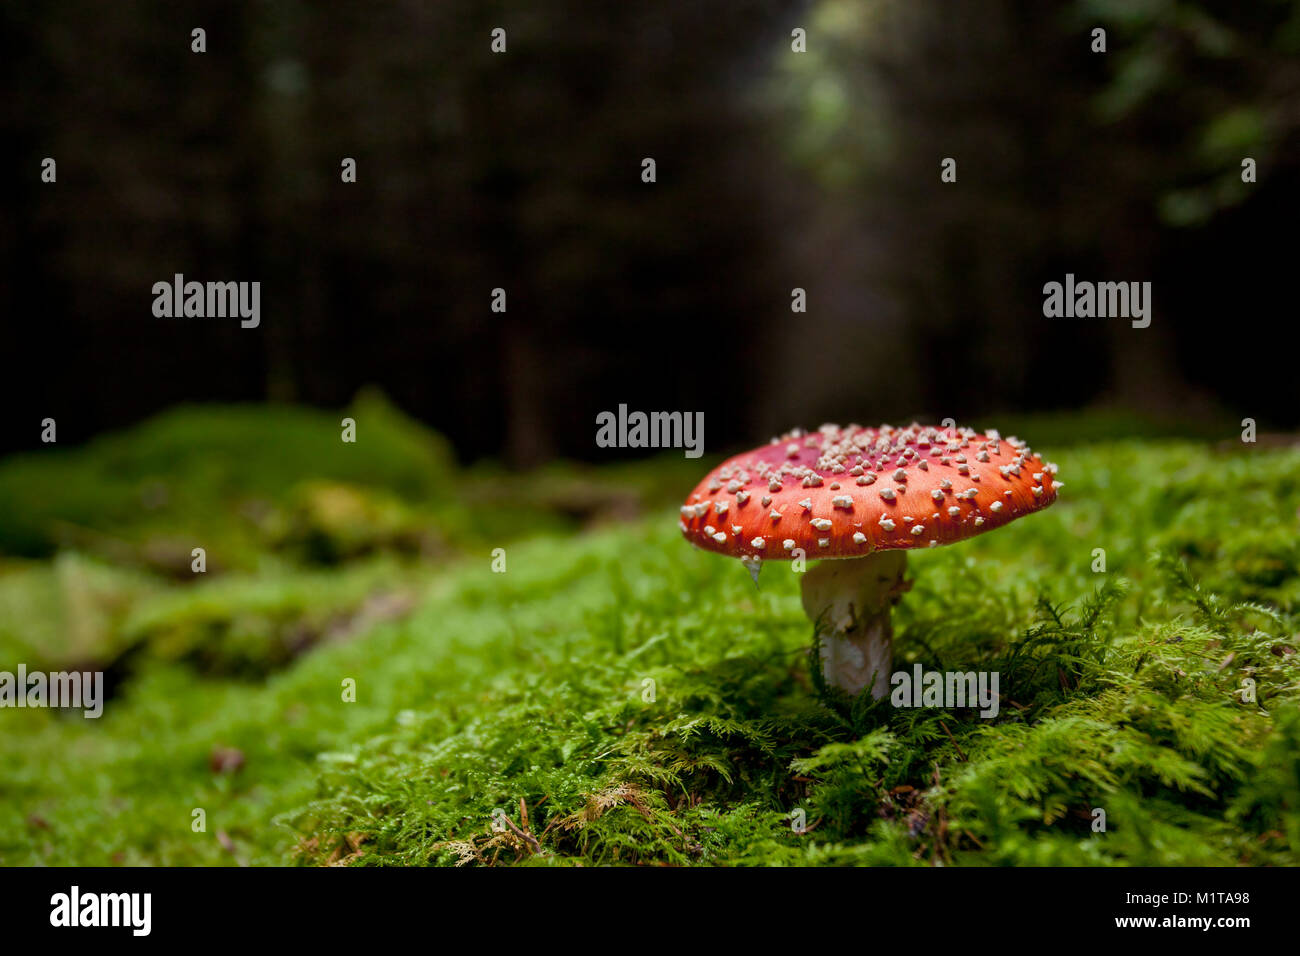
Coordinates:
[615,696]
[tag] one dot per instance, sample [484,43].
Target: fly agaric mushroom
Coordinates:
[862,497]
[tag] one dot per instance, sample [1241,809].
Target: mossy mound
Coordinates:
[210,476]
[619,697]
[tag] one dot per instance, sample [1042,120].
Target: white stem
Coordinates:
[849,600]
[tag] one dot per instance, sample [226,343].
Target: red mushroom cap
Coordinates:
[846,492]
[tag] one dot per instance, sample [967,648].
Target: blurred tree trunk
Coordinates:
[1143,369]
[286,202]
[528,428]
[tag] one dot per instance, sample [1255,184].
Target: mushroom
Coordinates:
[861,498]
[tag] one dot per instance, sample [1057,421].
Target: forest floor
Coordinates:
[350,681]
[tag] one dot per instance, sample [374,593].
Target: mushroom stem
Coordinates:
[849,601]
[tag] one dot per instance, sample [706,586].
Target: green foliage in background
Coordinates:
[184,475]
[617,697]
[1213,84]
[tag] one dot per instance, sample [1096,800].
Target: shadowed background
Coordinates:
[776,170]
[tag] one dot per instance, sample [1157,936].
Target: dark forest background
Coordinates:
[522,170]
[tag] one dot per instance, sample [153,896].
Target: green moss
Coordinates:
[618,697]
[208,475]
